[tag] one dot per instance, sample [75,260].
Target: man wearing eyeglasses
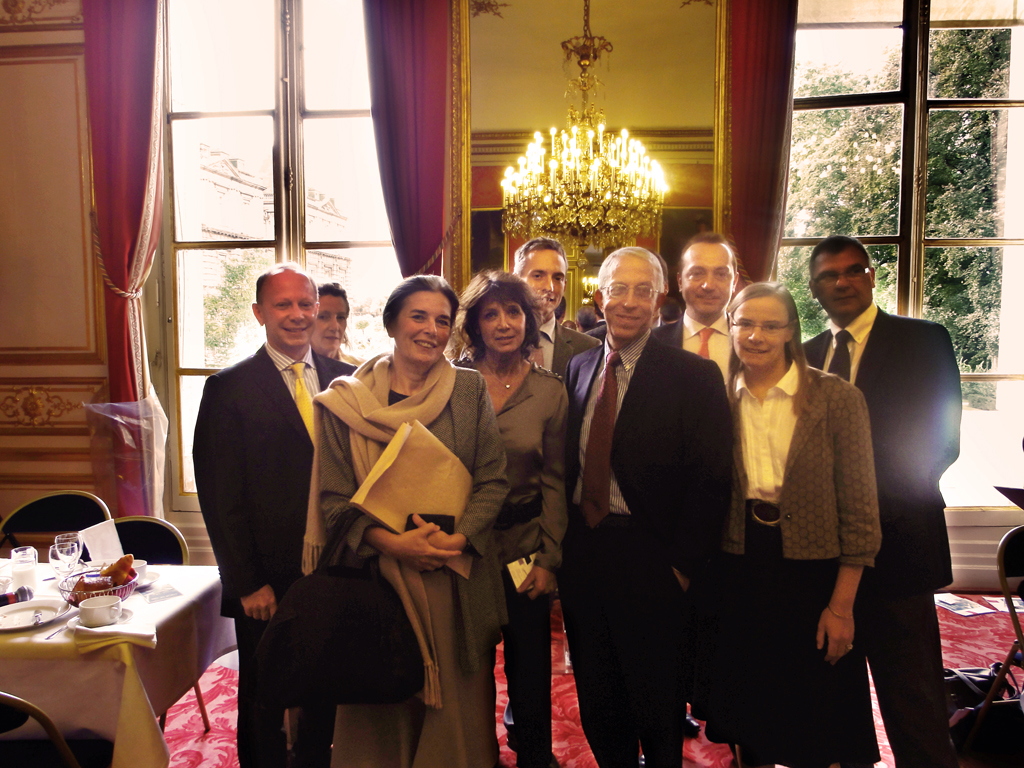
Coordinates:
[648,472]
[908,374]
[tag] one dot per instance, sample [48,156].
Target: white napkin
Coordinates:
[89,639]
[103,541]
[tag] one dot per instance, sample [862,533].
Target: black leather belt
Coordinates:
[763,512]
[516,514]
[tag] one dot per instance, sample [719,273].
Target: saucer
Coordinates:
[146,583]
[126,616]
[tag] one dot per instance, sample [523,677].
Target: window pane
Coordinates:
[975,293]
[221,55]
[223,179]
[990,453]
[845,172]
[343,195]
[368,275]
[975,184]
[190,390]
[216,289]
[334,46]
[792,270]
[834,61]
[970,64]
[850,11]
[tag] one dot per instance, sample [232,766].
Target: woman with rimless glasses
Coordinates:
[802,527]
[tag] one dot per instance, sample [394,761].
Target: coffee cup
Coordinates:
[99,611]
[140,568]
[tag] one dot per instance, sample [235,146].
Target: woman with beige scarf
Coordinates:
[457,619]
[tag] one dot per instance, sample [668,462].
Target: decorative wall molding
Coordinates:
[40,15]
[46,406]
[78,481]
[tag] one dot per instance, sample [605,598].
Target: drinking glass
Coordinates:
[23,567]
[61,566]
[69,549]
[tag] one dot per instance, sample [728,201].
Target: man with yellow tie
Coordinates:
[253,456]
[708,276]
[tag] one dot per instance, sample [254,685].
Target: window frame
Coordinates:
[289,243]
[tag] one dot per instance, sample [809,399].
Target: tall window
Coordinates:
[272,158]
[951,247]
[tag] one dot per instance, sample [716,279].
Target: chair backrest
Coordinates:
[54,512]
[1010,560]
[153,540]
[16,704]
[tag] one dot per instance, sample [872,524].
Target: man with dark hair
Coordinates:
[586,318]
[253,456]
[908,374]
[671,311]
[708,276]
[648,480]
[541,262]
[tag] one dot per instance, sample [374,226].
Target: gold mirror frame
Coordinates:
[456,261]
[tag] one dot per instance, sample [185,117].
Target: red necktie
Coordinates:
[705,334]
[597,470]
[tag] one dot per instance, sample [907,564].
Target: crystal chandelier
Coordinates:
[595,189]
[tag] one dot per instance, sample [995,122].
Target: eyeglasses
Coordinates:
[831,278]
[620,291]
[747,327]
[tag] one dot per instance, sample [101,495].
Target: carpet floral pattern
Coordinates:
[973,641]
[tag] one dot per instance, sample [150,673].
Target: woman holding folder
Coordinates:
[456,617]
[497,329]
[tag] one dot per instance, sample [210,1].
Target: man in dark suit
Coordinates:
[542,263]
[253,456]
[648,470]
[708,277]
[908,374]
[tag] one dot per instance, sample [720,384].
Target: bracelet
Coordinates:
[838,616]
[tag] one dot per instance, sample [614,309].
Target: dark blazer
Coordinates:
[568,343]
[671,334]
[910,380]
[253,461]
[671,451]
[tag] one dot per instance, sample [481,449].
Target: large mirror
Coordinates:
[658,81]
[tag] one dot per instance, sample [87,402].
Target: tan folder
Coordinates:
[416,474]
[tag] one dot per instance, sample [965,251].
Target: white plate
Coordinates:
[18,617]
[126,616]
[146,583]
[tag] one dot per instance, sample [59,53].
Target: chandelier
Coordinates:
[595,188]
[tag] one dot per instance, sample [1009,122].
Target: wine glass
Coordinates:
[61,566]
[68,549]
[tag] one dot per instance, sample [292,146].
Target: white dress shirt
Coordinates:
[718,343]
[547,341]
[766,431]
[284,363]
[859,329]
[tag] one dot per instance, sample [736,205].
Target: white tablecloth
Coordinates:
[117,692]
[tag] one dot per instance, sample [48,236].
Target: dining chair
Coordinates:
[158,543]
[39,753]
[151,539]
[54,512]
[1010,563]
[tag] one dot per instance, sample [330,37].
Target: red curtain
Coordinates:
[762,41]
[407,48]
[123,70]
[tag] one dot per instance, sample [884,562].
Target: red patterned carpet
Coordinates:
[973,641]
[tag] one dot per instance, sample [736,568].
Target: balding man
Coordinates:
[253,456]
[542,263]
[708,276]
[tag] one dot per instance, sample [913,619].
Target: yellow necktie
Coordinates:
[302,398]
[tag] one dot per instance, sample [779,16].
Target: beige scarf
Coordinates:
[361,402]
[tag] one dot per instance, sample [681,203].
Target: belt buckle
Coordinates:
[757,506]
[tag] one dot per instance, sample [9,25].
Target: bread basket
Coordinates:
[67,587]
